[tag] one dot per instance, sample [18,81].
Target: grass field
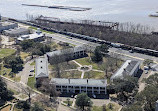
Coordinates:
[31,82]
[86,61]
[23,55]
[71,74]
[6,52]
[114,107]
[94,75]
[70,102]
[33,63]
[41,30]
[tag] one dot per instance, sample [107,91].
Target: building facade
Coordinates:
[75,86]
[129,68]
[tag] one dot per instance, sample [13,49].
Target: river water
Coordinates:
[135,11]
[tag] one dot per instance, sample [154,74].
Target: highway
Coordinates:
[124,54]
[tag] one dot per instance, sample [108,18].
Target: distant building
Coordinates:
[41,69]
[16,32]
[36,37]
[75,86]
[70,53]
[156,107]
[130,68]
[7,26]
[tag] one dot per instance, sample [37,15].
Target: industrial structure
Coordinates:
[129,68]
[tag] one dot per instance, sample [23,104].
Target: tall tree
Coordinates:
[83,101]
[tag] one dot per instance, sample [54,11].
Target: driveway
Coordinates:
[26,72]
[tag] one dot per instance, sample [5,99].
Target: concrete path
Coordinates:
[77,63]
[97,70]
[82,75]
[143,76]
[73,103]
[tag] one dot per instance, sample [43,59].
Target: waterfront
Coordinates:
[135,11]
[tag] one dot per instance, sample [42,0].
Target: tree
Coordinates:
[124,88]
[97,55]
[14,62]
[49,89]
[5,94]
[37,107]
[147,62]
[83,100]
[104,107]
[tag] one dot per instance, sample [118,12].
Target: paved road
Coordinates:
[124,53]
[26,72]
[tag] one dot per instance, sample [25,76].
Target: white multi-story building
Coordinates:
[75,86]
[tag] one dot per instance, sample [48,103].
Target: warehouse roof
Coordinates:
[127,68]
[41,67]
[80,82]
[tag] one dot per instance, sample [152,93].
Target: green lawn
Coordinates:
[6,52]
[35,28]
[23,55]
[94,75]
[66,102]
[33,63]
[114,107]
[71,74]
[86,61]
[31,82]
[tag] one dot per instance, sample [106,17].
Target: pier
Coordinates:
[60,7]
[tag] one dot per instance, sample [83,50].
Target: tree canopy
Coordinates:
[5,94]
[35,48]
[83,100]
[14,62]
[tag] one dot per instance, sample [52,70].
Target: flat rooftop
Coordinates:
[30,36]
[80,82]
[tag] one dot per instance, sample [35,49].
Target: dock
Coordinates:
[60,7]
